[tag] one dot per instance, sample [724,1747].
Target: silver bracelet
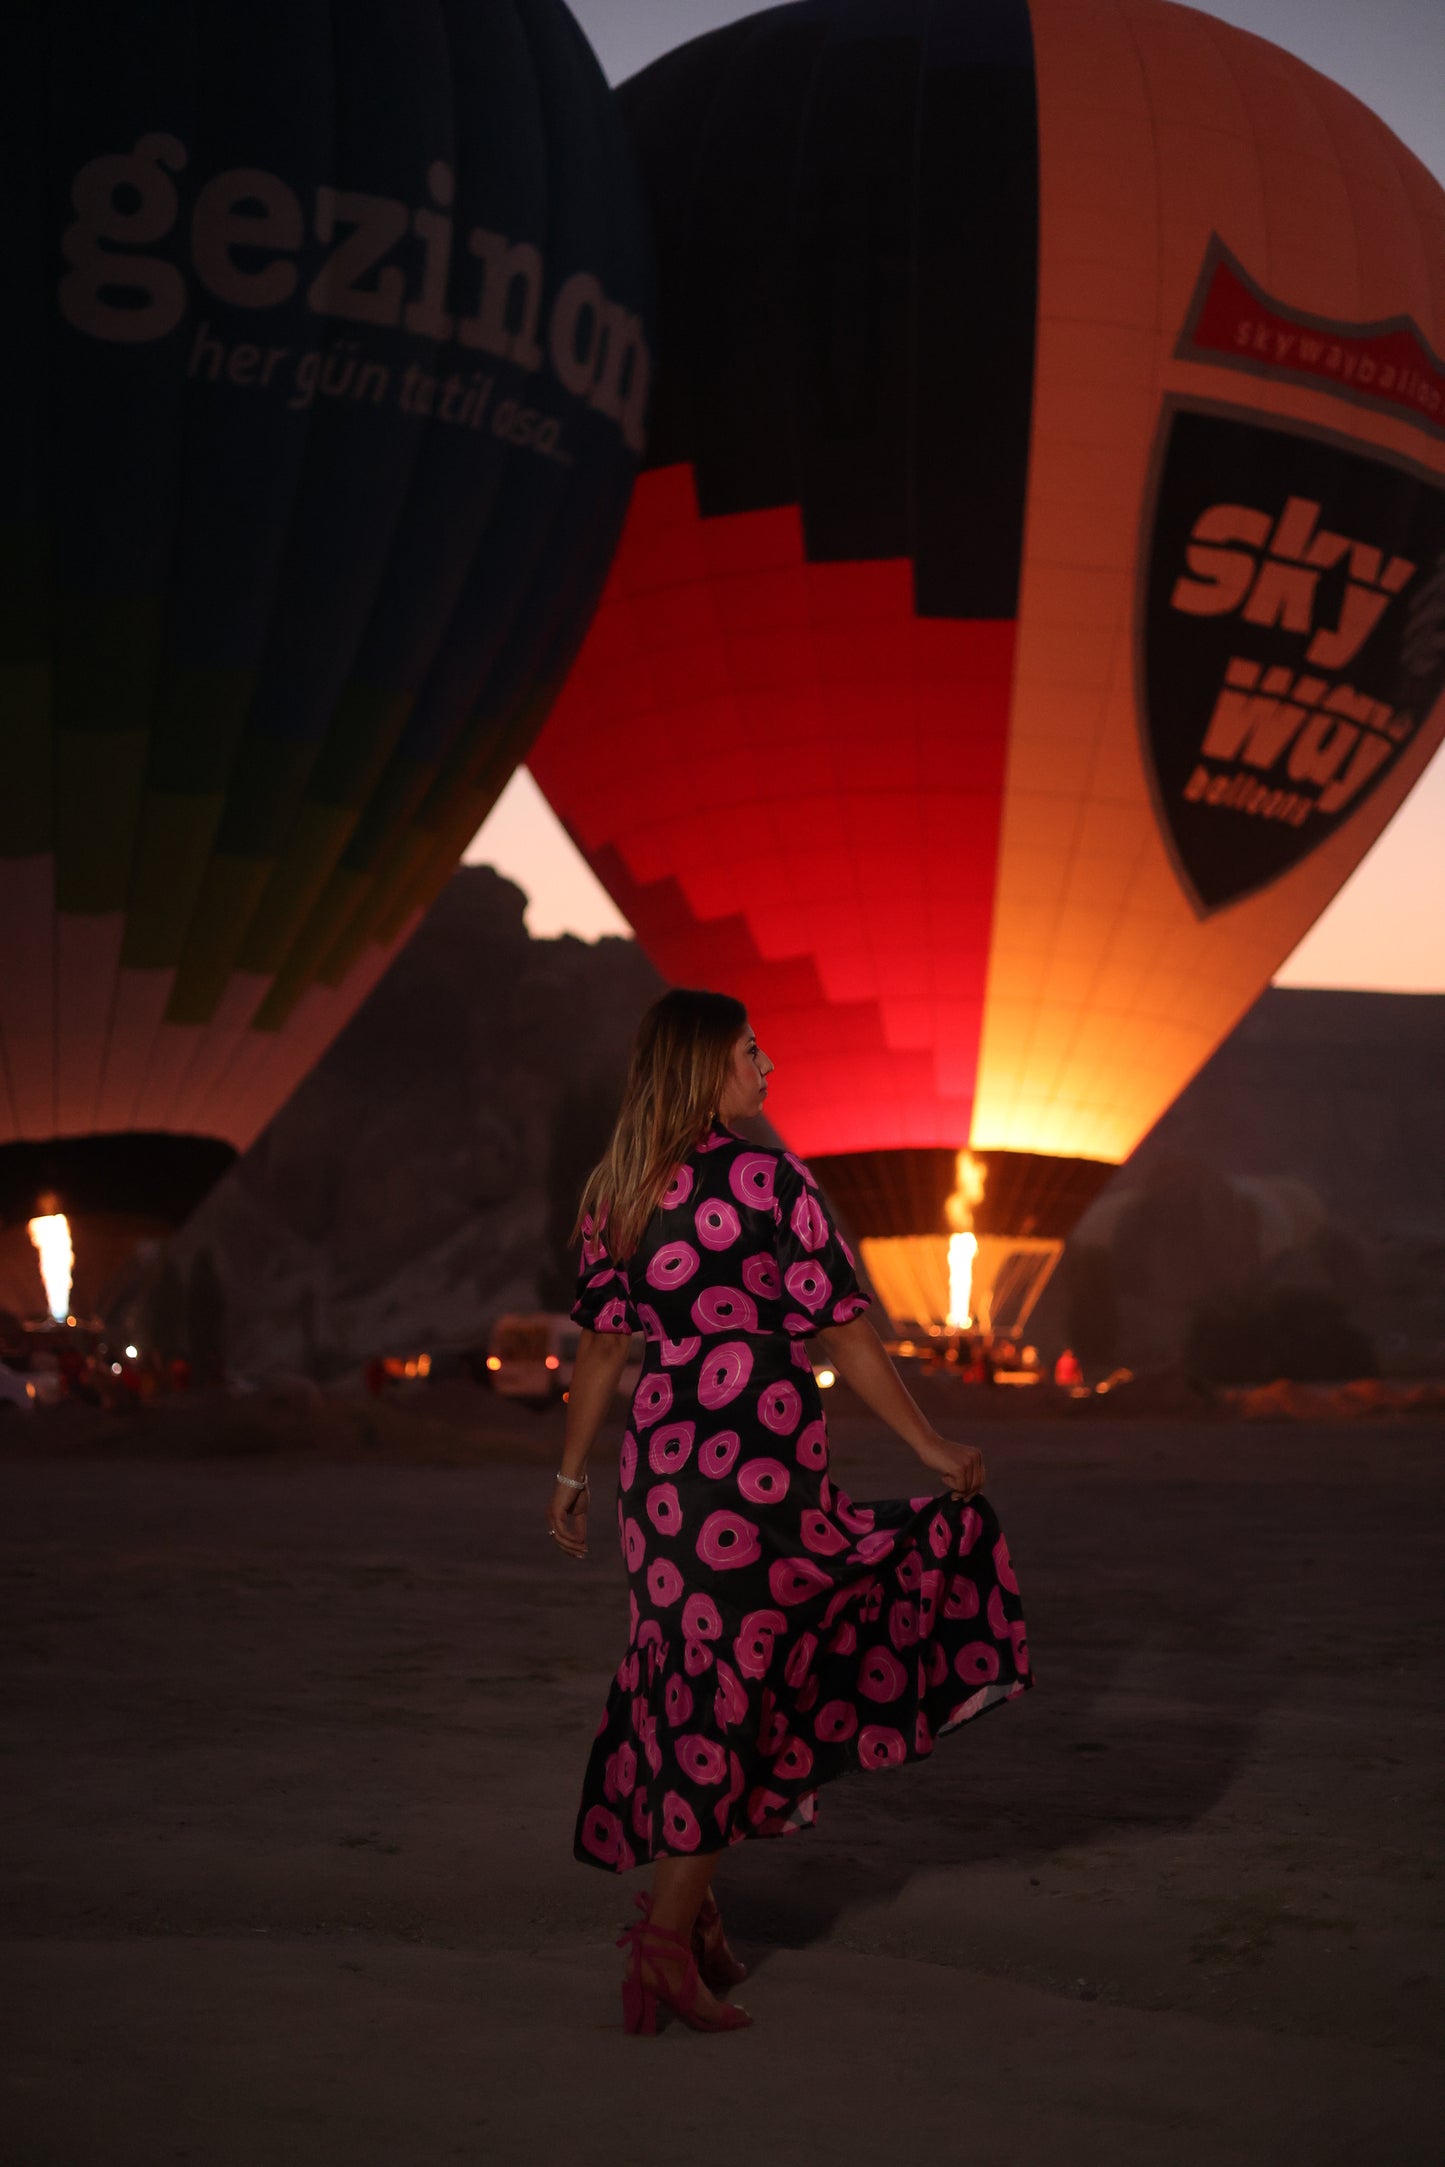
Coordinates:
[573,1482]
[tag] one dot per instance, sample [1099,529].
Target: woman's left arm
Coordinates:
[862,1361]
[601,1359]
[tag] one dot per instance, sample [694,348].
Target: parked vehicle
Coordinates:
[15,1391]
[532,1353]
[38,1373]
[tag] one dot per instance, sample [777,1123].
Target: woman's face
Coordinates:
[746,1087]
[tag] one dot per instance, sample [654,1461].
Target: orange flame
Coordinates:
[970,1176]
[51,1236]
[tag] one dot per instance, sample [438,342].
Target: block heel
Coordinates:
[639,2010]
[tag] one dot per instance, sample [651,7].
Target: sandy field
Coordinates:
[296,1716]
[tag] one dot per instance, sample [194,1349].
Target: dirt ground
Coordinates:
[291,1758]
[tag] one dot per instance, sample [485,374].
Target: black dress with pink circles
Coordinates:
[780,1634]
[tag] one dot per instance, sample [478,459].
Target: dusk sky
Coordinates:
[1386,928]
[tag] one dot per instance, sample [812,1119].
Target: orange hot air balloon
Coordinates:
[1035,605]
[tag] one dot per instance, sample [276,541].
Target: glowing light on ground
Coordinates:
[51,1236]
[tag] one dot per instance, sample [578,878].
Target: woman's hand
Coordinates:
[567,1520]
[596,1373]
[961,1466]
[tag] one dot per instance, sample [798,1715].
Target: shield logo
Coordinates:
[1292,638]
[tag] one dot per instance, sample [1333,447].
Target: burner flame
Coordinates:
[51,1236]
[970,1176]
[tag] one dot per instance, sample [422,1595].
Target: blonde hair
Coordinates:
[680,1065]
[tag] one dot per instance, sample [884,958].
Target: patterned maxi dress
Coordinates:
[780,1634]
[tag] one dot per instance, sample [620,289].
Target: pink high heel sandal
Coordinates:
[664,1970]
[718,1968]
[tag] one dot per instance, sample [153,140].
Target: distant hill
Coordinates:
[422,1179]
[1343,1090]
[401,1197]
[1303,1166]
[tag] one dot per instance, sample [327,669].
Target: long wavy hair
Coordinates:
[674,1089]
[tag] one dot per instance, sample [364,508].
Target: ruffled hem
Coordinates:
[792,1814]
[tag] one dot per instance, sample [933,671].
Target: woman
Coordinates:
[781,1634]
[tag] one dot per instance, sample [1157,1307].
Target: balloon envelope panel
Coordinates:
[325,403]
[1033,610]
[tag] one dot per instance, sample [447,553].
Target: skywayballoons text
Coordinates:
[1035,605]
[327,369]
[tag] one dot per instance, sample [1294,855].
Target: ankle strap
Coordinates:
[707,1909]
[646,1931]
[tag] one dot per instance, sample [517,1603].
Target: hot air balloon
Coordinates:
[327,369]
[1034,605]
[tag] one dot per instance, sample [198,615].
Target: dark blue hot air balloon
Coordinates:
[327,372]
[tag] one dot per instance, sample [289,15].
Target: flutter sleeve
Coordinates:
[818,1269]
[603,1303]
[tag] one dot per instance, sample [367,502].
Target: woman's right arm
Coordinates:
[600,1361]
[859,1356]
